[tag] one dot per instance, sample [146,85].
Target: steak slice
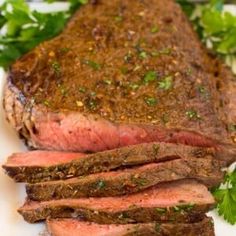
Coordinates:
[37,166]
[110,80]
[72,227]
[127,181]
[181,201]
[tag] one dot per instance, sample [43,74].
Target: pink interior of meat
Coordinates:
[70,227]
[41,158]
[165,195]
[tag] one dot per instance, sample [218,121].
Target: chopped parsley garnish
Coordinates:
[94,65]
[101,184]
[92,103]
[107,81]
[165,118]
[56,68]
[63,90]
[124,70]
[202,89]
[156,148]
[226,198]
[161,210]
[140,181]
[166,83]
[231,127]
[189,71]
[165,51]
[150,101]
[154,29]
[128,57]
[150,76]
[176,209]
[193,114]
[143,55]
[134,86]
[157,227]
[187,207]
[82,89]
[119,18]
[64,50]
[46,103]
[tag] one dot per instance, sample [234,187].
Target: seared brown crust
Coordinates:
[205,227]
[117,158]
[201,228]
[128,181]
[130,23]
[181,201]
[133,215]
[223,89]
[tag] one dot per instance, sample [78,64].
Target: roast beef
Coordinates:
[122,72]
[36,166]
[179,201]
[71,227]
[127,181]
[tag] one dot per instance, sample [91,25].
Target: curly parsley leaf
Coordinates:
[187,6]
[216,27]
[23,29]
[226,198]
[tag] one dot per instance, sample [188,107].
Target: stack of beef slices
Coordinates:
[145,189]
[130,117]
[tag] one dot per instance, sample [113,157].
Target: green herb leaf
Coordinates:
[56,67]
[150,101]
[193,115]
[19,39]
[154,29]
[143,55]
[161,210]
[94,65]
[187,6]
[226,198]
[101,184]
[150,76]
[216,27]
[166,83]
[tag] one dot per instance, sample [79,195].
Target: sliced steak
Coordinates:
[110,80]
[37,166]
[128,181]
[181,201]
[72,227]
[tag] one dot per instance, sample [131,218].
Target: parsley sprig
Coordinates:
[23,29]
[226,198]
[216,27]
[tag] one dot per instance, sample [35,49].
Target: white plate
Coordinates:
[12,195]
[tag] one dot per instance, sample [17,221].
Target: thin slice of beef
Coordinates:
[127,181]
[180,201]
[37,166]
[108,88]
[73,227]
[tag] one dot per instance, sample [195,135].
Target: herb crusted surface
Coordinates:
[138,68]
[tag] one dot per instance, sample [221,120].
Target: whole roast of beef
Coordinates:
[111,80]
[132,121]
